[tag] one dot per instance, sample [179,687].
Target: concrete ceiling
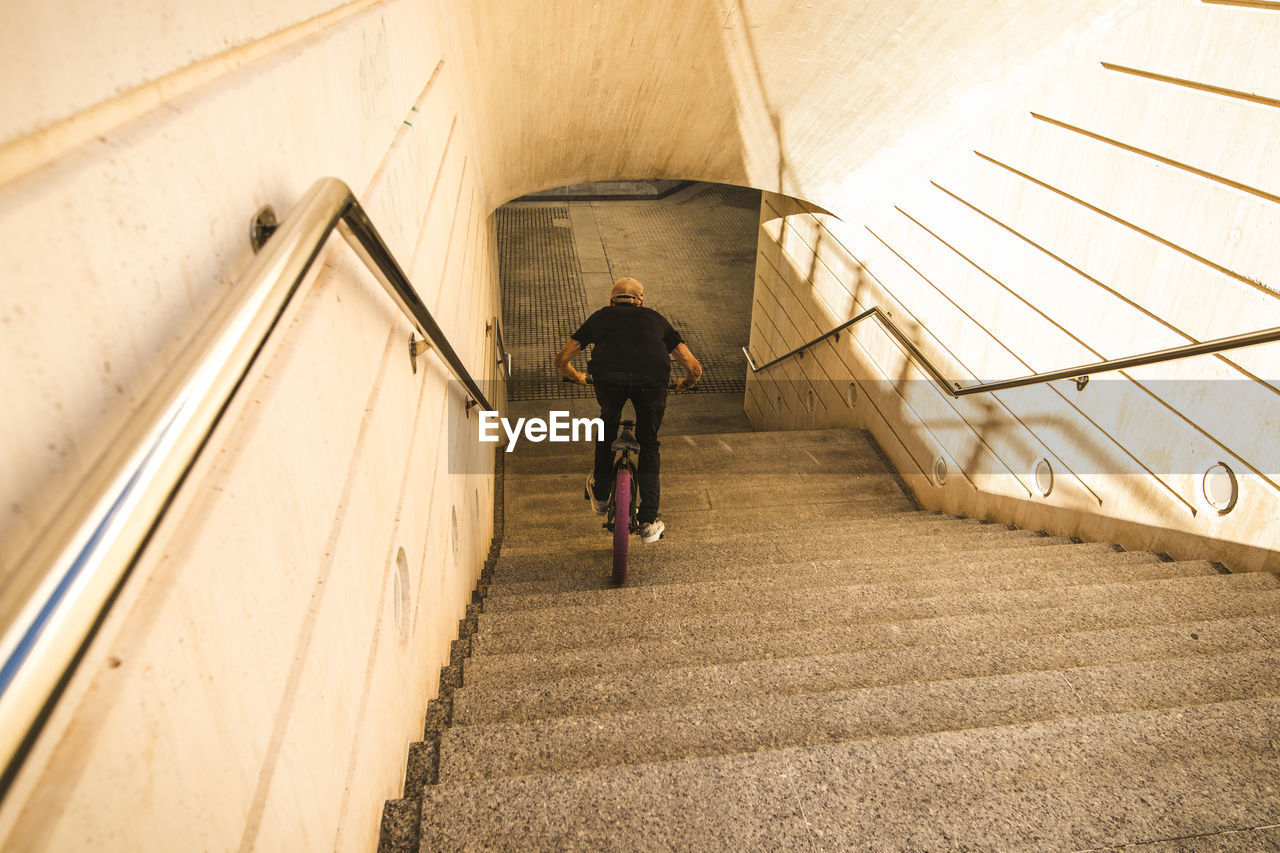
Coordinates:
[779,95]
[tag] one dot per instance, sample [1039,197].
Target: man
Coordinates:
[629,362]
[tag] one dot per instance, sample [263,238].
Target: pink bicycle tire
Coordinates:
[621,525]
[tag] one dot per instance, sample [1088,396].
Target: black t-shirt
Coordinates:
[628,339]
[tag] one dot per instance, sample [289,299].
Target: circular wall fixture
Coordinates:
[1044,477]
[1220,488]
[851,396]
[400,596]
[940,471]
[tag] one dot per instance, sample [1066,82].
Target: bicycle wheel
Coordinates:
[621,525]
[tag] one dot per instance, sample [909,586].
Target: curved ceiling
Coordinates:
[784,96]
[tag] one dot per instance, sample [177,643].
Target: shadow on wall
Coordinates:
[808,282]
[759,119]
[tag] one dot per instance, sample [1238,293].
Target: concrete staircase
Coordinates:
[809,662]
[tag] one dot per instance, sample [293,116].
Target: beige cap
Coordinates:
[627,287]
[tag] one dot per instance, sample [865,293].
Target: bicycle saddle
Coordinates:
[626,439]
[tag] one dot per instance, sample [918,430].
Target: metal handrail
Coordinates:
[1080,374]
[51,604]
[504,357]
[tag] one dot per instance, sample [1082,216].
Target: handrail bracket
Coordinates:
[417,346]
[263,225]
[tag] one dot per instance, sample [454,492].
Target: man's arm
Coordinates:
[693,370]
[567,353]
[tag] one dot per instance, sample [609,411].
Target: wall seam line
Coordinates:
[1105,287]
[1157,398]
[948,401]
[1209,88]
[1248,4]
[402,131]
[284,710]
[376,640]
[1156,238]
[1065,399]
[1160,158]
[39,148]
[902,306]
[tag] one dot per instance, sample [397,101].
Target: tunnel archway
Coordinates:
[692,244]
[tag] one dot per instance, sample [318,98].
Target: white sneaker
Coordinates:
[598,507]
[652,531]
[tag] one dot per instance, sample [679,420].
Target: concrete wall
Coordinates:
[257,683]
[1112,196]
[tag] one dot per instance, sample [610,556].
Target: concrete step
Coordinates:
[699,507]
[505,596]
[1059,785]
[865,568]
[717,451]
[874,516]
[857,472]
[709,466]
[865,519]
[711,551]
[473,753]
[736,440]
[554,531]
[945,659]
[698,491]
[884,625]
[732,608]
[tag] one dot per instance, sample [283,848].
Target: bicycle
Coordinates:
[624,494]
[623,498]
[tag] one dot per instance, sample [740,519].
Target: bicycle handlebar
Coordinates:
[671,386]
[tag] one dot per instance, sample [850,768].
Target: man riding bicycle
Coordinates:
[629,362]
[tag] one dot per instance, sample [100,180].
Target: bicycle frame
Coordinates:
[623,447]
[626,452]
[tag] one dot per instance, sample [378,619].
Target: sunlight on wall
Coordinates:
[1107,213]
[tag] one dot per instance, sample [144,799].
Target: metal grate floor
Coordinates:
[694,252]
[543,302]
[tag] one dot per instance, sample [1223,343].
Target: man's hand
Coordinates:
[567,370]
[693,370]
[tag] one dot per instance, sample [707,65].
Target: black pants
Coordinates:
[649,397]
